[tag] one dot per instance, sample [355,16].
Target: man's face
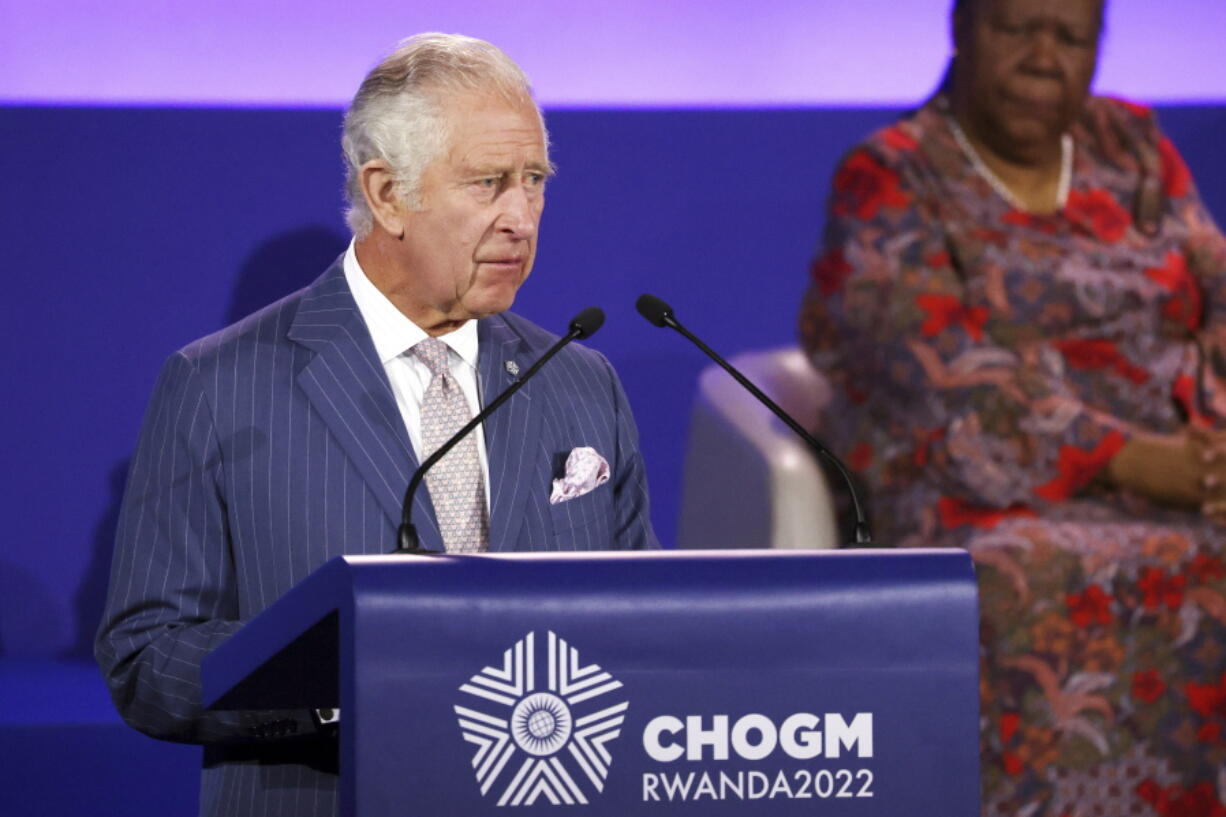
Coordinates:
[1024,68]
[472,243]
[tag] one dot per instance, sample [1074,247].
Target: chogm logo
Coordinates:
[541,742]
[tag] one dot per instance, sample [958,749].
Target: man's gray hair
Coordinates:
[397,113]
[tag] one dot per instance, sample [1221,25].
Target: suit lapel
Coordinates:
[512,434]
[345,383]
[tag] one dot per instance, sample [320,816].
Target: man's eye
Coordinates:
[536,179]
[489,182]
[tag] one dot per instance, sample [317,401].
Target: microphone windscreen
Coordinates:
[587,322]
[653,309]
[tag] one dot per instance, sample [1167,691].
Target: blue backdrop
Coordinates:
[131,232]
[134,231]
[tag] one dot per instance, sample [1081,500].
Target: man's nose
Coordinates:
[519,212]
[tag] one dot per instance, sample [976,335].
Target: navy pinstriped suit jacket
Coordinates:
[275,445]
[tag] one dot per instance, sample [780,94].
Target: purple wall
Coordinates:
[631,53]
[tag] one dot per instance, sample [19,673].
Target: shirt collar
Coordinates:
[393,333]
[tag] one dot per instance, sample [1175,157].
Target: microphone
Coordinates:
[661,314]
[583,325]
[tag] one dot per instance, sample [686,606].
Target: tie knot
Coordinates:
[435,354]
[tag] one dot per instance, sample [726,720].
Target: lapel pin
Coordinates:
[512,368]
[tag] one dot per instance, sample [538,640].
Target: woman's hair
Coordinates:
[965,7]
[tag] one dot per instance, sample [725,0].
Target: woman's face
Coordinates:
[1023,71]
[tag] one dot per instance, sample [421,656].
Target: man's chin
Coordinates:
[491,302]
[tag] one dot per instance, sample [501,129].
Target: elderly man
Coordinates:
[288,438]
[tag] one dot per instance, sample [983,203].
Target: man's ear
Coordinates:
[379,188]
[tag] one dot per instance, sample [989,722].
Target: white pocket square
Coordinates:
[585,470]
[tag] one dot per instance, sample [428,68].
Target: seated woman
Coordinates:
[1021,304]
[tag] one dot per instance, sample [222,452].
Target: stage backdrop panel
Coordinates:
[130,232]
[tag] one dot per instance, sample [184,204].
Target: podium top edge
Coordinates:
[687,555]
[948,562]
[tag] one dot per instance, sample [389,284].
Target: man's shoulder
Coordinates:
[260,325]
[271,324]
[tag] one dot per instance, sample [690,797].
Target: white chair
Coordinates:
[749,481]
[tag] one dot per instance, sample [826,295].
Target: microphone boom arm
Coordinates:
[659,313]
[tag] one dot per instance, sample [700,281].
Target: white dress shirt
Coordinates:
[394,336]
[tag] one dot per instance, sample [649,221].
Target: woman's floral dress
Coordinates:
[986,364]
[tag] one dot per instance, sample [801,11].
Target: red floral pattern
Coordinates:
[1051,702]
[1160,590]
[955,513]
[1186,305]
[1147,686]
[946,310]
[1093,606]
[1205,569]
[1081,353]
[1034,222]
[1174,801]
[861,457]
[1184,393]
[1009,723]
[992,361]
[1138,109]
[1078,467]
[1014,765]
[1209,701]
[862,186]
[896,136]
[830,272]
[938,259]
[1098,213]
[925,440]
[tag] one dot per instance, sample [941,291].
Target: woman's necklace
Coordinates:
[985,172]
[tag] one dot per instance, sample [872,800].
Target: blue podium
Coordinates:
[712,683]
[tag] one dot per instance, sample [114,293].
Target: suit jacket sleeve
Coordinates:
[172,598]
[632,511]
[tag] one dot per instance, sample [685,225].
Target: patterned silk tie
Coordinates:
[456,486]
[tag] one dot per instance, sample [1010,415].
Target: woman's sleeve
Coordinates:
[1203,256]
